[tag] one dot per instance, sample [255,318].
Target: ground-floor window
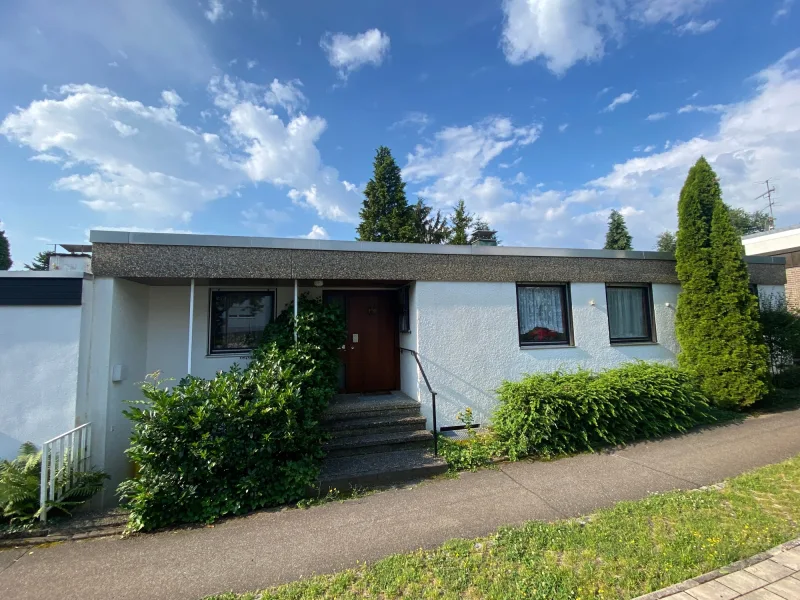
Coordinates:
[543,312]
[630,313]
[238,318]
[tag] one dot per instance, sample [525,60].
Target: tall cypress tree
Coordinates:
[461,221]
[714,321]
[695,317]
[617,236]
[741,365]
[385,213]
[5,252]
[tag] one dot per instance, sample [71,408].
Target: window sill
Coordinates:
[615,344]
[245,354]
[548,347]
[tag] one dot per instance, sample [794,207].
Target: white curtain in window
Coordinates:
[626,318]
[540,307]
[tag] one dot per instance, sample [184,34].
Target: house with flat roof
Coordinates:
[783,242]
[453,320]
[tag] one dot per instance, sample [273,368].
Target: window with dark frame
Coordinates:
[238,318]
[630,313]
[404,309]
[543,314]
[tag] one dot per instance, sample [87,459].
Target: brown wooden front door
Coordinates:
[371,356]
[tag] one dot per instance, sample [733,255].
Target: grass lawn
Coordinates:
[621,552]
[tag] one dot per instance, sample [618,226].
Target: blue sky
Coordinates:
[259,117]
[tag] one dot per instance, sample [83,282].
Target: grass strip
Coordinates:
[621,552]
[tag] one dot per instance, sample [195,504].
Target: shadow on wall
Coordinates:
[648,352]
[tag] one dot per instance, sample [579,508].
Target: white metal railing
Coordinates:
[61,457]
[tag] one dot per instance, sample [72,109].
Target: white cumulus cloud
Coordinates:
[659,116]
[317,233]
[136,160]
[287,95]
[565,32]
[452,166]
[348,53]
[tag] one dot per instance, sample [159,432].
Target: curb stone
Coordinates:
[717,573]
[74,537]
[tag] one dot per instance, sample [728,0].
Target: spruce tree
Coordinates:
[617,237]
[429,229]
[5,252]
[714,321]
[741,365]
[461,221]
[666,242]
[385,213]
[41,262]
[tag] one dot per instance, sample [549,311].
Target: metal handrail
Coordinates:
[433,398]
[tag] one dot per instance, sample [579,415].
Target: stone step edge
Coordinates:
[387,477]
[378,439]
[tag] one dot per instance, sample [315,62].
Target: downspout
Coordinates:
[295,312]
[191,321]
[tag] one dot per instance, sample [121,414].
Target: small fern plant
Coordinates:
[20,484]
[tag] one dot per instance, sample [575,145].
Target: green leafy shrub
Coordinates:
[477,450]
[781,329]
[563,413]
[247,439]
[788,378]
[20,485]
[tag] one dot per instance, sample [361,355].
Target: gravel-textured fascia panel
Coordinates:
[219,262]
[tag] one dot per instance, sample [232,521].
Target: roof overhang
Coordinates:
[179,256]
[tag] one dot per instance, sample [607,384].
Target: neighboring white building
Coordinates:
[784,242]
[178,304]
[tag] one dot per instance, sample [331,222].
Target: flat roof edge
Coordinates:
[184,239]
[45,275]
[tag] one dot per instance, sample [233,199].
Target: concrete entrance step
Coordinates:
[390,424]
[345,407]
[377,443]
[384,468]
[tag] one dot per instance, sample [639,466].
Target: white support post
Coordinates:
[191,322]
[295,311]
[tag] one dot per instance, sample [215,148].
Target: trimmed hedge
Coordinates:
[247,439]
[564,413]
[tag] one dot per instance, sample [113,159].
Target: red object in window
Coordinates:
[543,334]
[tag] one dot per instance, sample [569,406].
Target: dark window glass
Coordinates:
[404,311]
[543,314]
[629,313]
[238,319]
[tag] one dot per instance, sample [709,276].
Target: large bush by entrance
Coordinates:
[247,439]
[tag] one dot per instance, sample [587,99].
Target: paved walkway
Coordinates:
[772,575]
[273,547]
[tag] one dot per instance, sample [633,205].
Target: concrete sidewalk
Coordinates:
[269,548]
